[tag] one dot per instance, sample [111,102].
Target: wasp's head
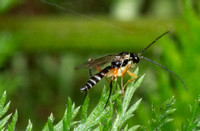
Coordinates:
[134,57]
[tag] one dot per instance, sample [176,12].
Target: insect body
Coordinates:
[119,65]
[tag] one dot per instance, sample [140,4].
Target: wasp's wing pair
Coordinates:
[99,62]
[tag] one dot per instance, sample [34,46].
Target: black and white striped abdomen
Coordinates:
[95,79]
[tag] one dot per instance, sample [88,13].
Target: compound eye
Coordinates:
[136,59]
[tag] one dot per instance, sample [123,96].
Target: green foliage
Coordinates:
[11,127]
[181,54]
[123,113]
[107,118]
[29,127]
[162,115]
[7,46]
[193,122]
[101,118]
[184,49]
[5,5]
[4,119]
[67,121]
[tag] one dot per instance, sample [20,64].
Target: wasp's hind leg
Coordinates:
[122,85]
[131,74]
[109,94]
[122,76]
[90,72]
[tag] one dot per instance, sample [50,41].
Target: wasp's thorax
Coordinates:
[125,58]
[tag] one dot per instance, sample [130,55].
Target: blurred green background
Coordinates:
[42,41]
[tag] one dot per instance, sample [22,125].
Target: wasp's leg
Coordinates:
[122,76]
[131,74]
[122,85]
[109,94]
[107,79]
[90,72]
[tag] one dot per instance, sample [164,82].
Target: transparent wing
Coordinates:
[98,62]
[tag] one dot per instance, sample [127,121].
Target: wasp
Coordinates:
[119,65]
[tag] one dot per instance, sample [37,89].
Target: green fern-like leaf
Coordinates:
[125,113]
[100,119]
[66,122]
[4,120]
[162,115]
[193,123]
[98,114]
[3,108]
[30,126]
[62,123]
[11,127]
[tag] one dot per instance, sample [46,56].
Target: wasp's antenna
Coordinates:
[152,42]
[142,57]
